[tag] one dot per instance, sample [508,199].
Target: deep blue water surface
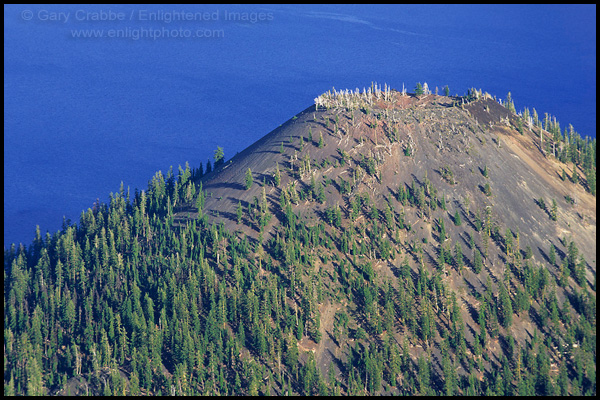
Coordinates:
[83,114]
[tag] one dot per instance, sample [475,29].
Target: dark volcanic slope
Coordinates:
[466,140]
[440,149]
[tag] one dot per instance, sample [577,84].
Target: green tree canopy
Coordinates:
[219,156]
[248,179]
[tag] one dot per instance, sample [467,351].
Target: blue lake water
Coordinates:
[83,114]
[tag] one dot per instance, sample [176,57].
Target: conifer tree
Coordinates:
[277,176]
[449,376]
[487,189]
[458,256]
[219,156]
[554,211]
[419,89]
[248,179]
[477,261]
[457,220]
[590,176]
[575,175]
[508,103]
[200,200]
[35,382]
[442,230]
[552,255]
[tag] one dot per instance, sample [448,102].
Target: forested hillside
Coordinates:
[378,242]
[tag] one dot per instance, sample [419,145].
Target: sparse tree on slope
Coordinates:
[219,157]
[419,90]
[248,180]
